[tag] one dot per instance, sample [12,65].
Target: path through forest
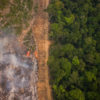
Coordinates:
[40,32]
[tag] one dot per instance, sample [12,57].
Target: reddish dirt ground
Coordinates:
[40,32]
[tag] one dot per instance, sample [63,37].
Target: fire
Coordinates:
[36,54]
[18,72]
[28,53]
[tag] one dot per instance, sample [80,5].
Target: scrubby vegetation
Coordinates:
[29,41]
[3,4]
[74,59]
[15,16]
[18,15]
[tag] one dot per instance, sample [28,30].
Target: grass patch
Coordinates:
[19,15]
[29,41]
[3,4]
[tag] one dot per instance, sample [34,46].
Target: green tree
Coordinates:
[90,76]
[70,19]
[68,50]
[93,95]
[76,94]
[75,61]
[74,78]
[66,66]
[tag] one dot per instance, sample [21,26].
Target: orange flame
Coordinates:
[28,53]
[36,54]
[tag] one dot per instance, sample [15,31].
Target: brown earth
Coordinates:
[40,32]
[40,28]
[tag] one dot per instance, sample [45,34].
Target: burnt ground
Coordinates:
[40,27]
[18,73]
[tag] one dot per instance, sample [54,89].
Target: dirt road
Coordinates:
[40,32]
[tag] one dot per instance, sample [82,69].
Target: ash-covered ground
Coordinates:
[18,73]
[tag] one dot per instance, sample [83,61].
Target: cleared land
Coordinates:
[40,31]
[24,18]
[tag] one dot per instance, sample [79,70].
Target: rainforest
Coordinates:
[74,55]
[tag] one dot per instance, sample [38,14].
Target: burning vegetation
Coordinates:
[18,73]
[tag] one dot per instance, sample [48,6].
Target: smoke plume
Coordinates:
[18,74]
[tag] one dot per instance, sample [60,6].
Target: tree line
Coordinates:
[74,58]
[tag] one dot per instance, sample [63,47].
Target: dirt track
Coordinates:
[40,32]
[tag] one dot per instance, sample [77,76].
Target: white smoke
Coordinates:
[7,52]
[16,71]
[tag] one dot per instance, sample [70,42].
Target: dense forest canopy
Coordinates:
[74,59]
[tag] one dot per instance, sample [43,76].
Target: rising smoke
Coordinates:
[18,74]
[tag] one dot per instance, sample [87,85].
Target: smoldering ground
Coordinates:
[16,69]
